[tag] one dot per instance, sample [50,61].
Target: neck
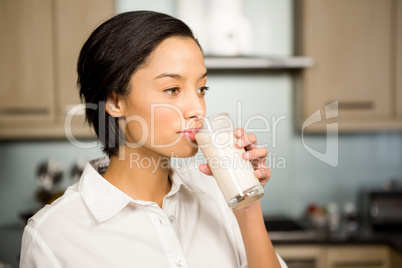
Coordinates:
[140,173]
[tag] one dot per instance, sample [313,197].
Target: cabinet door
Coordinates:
[74,22]
[399,60]
[350,42]
[302,255]
[26,67]
[358,257]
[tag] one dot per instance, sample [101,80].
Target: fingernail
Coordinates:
[247,156]
[238,133]
[257,173]
[239,143]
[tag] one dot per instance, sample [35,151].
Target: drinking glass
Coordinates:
[234,175]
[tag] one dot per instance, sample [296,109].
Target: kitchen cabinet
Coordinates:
[358,257]
[354,48]
[38,66]
[26,65]
[302,256]
[333,256]
[399,60]
[70,35]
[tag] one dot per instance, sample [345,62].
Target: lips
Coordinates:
[190,133]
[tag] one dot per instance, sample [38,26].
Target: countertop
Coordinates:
[364,235]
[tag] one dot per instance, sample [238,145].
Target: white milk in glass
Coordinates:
[234,175]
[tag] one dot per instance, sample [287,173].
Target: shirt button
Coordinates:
[171,218]
[179,263]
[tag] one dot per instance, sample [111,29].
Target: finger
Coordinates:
[258,163]
[239,132]
[204,168]
[263,174]
[257,153]
[248,141]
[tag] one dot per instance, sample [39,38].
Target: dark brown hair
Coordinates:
[110,56]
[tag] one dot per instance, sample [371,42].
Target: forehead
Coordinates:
[177,55]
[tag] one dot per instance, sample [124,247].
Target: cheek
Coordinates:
[137,129]
[138,123]
[168,118]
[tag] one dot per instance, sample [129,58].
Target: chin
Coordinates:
[185,150]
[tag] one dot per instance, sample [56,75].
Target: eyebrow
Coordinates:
[176,76]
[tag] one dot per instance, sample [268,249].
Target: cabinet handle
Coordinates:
[355,105]
[24,111]
[359,264]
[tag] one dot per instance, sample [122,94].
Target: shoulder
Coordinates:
[45,230]
[58,211]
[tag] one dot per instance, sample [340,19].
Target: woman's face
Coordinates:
[166,99]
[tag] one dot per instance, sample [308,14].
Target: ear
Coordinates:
[114,106]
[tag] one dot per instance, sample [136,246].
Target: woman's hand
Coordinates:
[257,155]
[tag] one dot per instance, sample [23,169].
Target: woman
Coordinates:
[143,77]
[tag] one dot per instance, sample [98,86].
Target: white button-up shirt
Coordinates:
[94,224]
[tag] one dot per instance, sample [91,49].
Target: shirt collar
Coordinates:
[178,182]
[105,201]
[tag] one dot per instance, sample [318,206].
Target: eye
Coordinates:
[172,91]
[202,90]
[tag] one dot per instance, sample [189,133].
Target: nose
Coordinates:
[194,107]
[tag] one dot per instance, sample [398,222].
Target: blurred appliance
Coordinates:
[382,209]
[282,228]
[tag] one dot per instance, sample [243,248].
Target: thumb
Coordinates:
[204,168]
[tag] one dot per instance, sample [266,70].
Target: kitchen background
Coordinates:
[365,159]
